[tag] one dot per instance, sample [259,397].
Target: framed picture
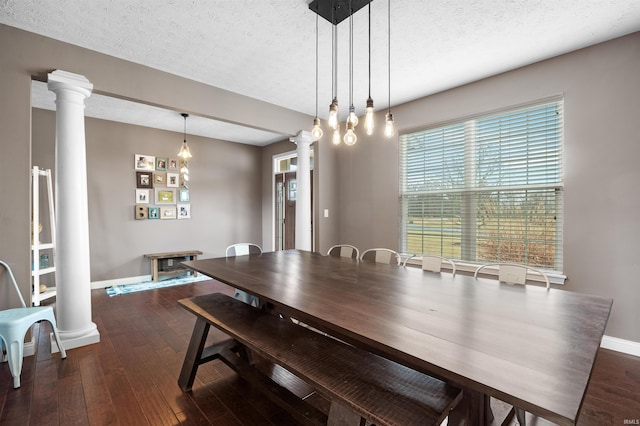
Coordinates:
[161,163]
[168,212]
[160,179]
[173,180]
[173,164]
[140,212]
[144,180]
[184,196]
[165,196]
[154,213]
[144,162]
[142,196]
[184,211]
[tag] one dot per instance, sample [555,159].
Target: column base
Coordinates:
[88,339]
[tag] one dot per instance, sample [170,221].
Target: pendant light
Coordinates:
[185,152]
[336,11]
[368,116]
[350,137]
[389,129]
[316,132]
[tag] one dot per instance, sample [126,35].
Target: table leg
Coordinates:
[474,409]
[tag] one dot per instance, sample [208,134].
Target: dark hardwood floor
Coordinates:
[130,377]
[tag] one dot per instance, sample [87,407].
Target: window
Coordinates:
[488,189]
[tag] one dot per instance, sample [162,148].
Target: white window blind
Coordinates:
[489,189]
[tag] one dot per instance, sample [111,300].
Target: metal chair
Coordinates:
[514,273]
[381,255]
[244,249]
[344,250]
[14,324]
[433,263]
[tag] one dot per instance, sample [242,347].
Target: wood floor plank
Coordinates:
[44,407]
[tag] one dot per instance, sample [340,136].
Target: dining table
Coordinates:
[526,345]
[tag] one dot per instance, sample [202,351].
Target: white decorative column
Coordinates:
[303,197]
[72,260]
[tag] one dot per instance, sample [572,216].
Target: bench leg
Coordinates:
[341,415]
[193,355]
[154,272]
[194,273]
[246,354]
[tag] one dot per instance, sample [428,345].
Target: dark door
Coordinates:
[286,193]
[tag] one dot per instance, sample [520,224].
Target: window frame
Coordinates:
[469,140]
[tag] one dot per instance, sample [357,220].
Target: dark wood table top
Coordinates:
[526,345]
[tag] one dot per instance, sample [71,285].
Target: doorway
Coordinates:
[285,196]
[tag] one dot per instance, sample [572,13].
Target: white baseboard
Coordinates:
[621,345]
[119,281]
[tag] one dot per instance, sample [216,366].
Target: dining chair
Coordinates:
[14,324]
[381,255]
[244,249]
[514,273]
[344,250]
[433,263]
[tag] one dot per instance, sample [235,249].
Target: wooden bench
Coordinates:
[173,257]
[358,384]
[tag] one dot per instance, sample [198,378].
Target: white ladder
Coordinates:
[48,265]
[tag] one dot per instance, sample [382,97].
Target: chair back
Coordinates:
[344,250]
[13,281]
[381,255]
[433,263]
[513,273]
[242,249]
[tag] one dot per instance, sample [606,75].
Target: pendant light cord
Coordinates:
[389,50]
[185,127]
[350,54]
[316,62]
[370,50]
[334,53]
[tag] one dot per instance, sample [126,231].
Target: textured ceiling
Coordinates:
[265,49]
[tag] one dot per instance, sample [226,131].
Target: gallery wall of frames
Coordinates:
[161,193]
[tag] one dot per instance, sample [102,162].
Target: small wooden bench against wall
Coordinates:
[359,385]
[170,263]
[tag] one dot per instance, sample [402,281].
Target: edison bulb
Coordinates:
[316,132]
[336,137]
[350,138]
[389,129]
[333,113]
[368,117]
[353,118]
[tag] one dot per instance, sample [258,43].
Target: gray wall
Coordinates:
[225,194]
[601,87]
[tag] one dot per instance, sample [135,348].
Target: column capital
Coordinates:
[60,79]
[303,137]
